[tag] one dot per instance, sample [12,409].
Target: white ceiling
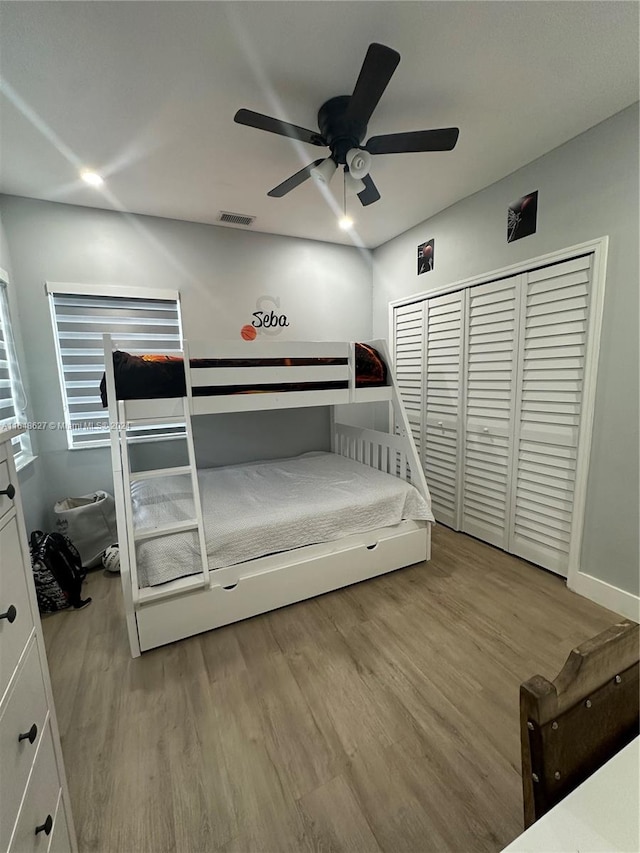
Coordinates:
[145,92]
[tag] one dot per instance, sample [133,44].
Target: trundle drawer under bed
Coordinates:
[239,592]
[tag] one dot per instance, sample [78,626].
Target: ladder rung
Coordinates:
[165,529]
[165,590]
[161,472]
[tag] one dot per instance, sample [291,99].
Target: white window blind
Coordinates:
[13,401]
[80,319]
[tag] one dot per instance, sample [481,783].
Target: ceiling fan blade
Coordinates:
[294,181]
[418,140]
[274,125]
[377,69]
[370,192]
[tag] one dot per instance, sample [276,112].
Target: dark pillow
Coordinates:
[370,368]
[145,377]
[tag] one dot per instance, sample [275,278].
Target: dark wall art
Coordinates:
[425,256]
[522,217]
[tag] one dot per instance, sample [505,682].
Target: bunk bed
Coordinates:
[202,549]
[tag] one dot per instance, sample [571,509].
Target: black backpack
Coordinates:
[57,572]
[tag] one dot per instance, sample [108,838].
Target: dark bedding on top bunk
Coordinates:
[143,377]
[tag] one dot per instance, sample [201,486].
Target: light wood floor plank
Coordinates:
[382,717]
[335,821]
[336,687]
[306,755]
[400,821]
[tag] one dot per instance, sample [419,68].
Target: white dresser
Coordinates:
[35,815]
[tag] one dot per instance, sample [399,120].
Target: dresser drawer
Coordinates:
[17,624]
[40,801]
[6,503]
[25,707]
[60,841]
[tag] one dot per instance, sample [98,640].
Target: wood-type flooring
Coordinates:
[380,717]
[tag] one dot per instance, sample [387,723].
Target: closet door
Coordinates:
[408,361]
[489,403]
[444,362]
[554,316]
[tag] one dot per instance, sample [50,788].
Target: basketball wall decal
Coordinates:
[248,332]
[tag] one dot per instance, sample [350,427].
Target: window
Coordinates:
[13,400]
[140,321]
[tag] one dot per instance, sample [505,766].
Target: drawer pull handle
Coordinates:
[10,614]
[46,827]
[10,492]
[31,735]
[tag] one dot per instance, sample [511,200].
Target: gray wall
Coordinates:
[588,188]
[31,477]
[325,291]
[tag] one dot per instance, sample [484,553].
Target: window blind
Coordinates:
[137,325]
[13,401]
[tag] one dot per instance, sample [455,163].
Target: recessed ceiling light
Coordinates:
[91,178]
[346,222]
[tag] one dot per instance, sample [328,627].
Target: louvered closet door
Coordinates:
[551,362]
[489,403]
[443,386]
[408,361]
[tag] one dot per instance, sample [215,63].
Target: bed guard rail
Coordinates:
[261,375]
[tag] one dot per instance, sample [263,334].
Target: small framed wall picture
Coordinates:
[425,256]
[522,217]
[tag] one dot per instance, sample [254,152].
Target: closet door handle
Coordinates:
[10,492]
[485,429]
[439,423]
[10,614]
[46,827]
[31,735]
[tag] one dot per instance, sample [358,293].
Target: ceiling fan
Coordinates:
[342,123]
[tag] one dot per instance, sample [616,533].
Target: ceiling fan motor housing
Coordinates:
[340,133]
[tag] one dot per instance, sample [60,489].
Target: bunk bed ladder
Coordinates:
[195,488]
[140,534]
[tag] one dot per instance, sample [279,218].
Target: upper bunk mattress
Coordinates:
[265,507]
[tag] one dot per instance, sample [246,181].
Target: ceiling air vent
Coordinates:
[236,218]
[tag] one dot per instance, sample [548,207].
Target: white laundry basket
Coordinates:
[90,522]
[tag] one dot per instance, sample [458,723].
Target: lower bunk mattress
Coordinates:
[263,508]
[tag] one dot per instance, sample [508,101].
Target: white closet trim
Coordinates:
[588,405]
[598,247]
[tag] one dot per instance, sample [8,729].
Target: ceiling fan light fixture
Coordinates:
[323,173]
[359,162]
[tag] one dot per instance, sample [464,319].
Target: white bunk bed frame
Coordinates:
[212,598]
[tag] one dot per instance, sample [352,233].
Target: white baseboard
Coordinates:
[607,595]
